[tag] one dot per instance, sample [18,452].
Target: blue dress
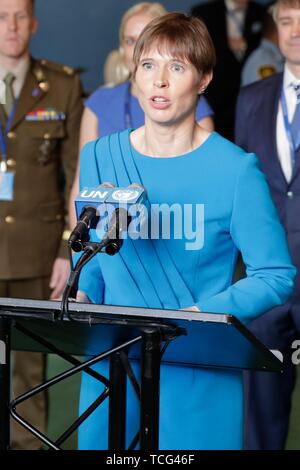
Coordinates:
[117,109]
[199,408]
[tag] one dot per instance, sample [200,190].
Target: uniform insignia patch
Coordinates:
[35,93]
[266,71]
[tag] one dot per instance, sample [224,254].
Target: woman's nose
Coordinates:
[161,83]
[161,78]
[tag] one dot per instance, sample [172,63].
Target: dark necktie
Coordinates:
[9,93]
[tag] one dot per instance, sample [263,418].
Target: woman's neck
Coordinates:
[157,140]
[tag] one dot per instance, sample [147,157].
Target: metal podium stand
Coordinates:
[120,334]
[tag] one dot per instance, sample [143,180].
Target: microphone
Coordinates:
[115,209]
[85,221]
[82,228]
[118,224]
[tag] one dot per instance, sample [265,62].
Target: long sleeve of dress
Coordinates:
[258,234]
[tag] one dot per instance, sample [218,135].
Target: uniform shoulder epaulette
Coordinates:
[57,67]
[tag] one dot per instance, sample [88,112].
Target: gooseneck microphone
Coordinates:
[106,212]
[87,216]
[82,228]
[116,208]
[118,224]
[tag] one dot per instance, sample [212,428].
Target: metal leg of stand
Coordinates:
[150,375]
[117,404]
[4,383]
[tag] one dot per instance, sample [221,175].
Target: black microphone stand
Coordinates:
[79,241]
[90,249]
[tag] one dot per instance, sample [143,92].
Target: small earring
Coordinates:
[201,91]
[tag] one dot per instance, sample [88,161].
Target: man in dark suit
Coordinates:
[40,114]
[235,27]
[268,123]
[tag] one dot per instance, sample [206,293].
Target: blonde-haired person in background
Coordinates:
[118,65]
[114,71]
[113,109]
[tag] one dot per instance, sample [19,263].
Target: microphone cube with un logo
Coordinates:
[107,200]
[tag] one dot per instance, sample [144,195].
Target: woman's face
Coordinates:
[132,29]
[167,87]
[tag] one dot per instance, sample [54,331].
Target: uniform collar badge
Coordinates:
[35,92]
[39,74]
[44,86]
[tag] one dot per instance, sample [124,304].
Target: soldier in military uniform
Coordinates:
[39,120]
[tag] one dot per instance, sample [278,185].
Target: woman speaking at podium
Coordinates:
[178,162]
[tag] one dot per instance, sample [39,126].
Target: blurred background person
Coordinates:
[39,123]
[268,123]
[266,59]
[235,27]
[114,70]
[112,109]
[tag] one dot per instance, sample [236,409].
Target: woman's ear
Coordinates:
[205,81]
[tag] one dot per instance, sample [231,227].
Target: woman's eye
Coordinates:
[147,66]
[178,68]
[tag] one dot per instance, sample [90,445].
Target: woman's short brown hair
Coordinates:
[182,36]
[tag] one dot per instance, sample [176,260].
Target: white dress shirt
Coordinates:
[283,146]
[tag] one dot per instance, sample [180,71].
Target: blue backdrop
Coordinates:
[81,33]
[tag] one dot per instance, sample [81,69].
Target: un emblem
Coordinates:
[124,195]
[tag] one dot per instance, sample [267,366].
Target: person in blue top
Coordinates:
[115,107]
[179,162]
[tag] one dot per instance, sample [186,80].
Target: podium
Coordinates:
[121,334]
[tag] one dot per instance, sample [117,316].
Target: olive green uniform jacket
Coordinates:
[42,150]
